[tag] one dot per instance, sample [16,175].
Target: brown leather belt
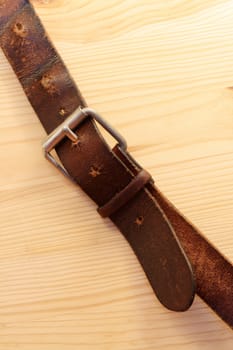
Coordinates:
[175,256]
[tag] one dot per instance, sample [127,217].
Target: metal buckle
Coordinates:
[66,130]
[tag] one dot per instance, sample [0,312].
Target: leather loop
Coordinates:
[122,197]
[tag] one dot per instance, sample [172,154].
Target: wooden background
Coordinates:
[161,72]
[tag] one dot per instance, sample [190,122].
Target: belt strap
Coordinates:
[170,250]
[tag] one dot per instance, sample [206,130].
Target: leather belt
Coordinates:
[175,256]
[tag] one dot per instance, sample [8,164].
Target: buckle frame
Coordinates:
[66,130]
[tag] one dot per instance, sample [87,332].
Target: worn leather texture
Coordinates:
[174,255]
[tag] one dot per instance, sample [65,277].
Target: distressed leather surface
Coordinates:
[159,235]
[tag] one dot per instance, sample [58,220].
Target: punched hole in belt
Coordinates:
[139,220]
[95,171]
[62,112]
[20,30]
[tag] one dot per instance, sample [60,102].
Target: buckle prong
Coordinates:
[70,134]
[66,130]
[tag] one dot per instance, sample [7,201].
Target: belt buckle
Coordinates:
[66,130]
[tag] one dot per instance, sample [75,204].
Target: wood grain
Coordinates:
[161,72]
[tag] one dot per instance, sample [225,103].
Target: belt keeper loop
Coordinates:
[127,193]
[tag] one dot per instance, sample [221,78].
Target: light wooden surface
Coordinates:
[161,72]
